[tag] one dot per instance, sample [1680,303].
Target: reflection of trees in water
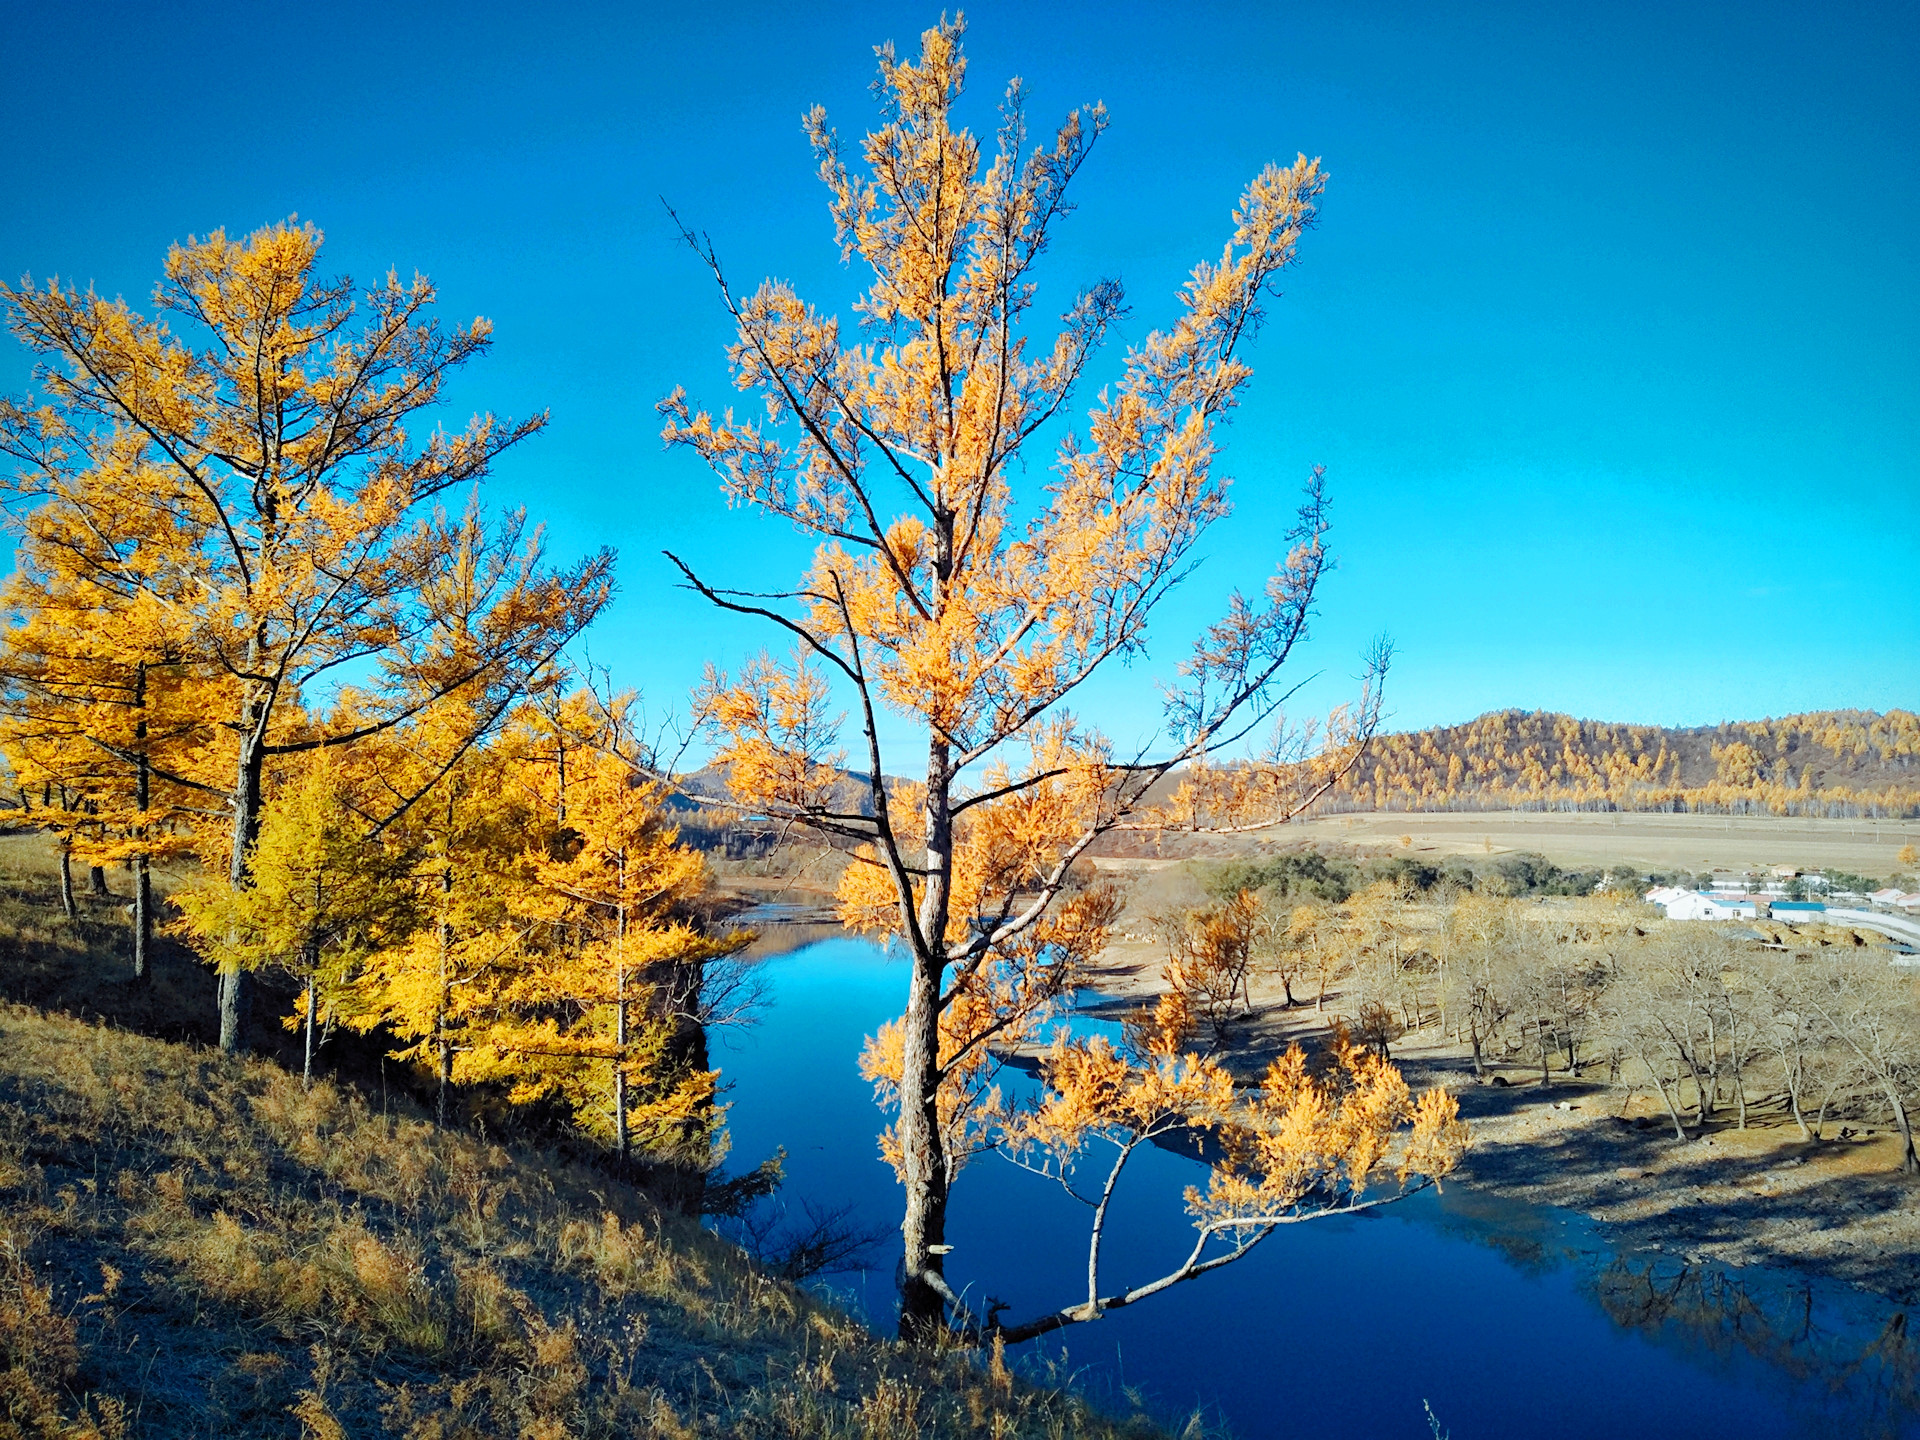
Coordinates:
[1863,1366]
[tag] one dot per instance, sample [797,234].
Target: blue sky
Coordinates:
[1609,335]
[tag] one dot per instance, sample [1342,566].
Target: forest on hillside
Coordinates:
[1835,763]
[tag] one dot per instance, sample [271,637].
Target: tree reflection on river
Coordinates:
[1858,1357]
[1511,1320]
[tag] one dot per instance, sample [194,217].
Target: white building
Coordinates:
[1697,905]
[1800,912]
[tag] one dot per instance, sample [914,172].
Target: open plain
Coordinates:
[1643,840]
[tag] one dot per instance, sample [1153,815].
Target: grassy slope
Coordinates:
[196,1244]
[193,1245]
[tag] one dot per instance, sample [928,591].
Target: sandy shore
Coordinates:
[1761,1196]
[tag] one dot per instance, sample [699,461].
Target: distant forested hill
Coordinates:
[1830,762]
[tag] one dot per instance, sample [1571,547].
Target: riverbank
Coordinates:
[1839,1209]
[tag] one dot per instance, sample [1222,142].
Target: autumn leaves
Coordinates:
[248,629]
[955,590]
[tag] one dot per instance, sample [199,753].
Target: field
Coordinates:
[1644,841]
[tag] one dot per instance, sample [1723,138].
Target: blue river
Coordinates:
[1507,1320]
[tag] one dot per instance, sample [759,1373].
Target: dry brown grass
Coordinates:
[194,1246]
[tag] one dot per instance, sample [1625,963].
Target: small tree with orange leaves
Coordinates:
[941,592]
[1210,955]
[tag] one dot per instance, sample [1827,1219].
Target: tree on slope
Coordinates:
[99,723]
[288,524]
[323,896]
[944,593]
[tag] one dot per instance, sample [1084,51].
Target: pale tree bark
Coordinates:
[236,984]
[69,906]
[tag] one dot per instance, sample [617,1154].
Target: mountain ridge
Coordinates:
[1822,762]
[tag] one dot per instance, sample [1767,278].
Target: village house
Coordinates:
[1799,912]
[1702,905]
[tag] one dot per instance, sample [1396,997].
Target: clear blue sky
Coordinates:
[1609,336]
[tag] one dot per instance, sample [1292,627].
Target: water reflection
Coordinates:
[1512,1320]
[1853,1356]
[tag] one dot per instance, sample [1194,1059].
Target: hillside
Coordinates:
[1828,763]
[192,1245]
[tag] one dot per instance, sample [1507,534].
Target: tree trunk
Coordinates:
[97,881]
[313,1014]
[142,919]
[924,1224]
[623,1141]
[1673,1110]
[443,1048]
[1479,1068]
[1703,1097]
[1909,1161]
[1793,1099]
[236,985]
[68,906]
[1545,1073]
[142,867]
[923,1227]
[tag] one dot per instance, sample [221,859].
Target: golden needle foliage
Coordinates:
[1298,1146]
[944,590]
[232,488]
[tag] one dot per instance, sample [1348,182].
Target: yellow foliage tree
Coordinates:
[939,591]
[559,957]
[100,724]
[253,476]
[627,967]
[322,897]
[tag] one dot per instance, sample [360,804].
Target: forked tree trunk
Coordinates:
[1794,1082]
[1666,1098]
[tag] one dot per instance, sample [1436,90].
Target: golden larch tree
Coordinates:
[944,591]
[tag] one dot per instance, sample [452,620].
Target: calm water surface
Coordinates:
[1510,1320]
